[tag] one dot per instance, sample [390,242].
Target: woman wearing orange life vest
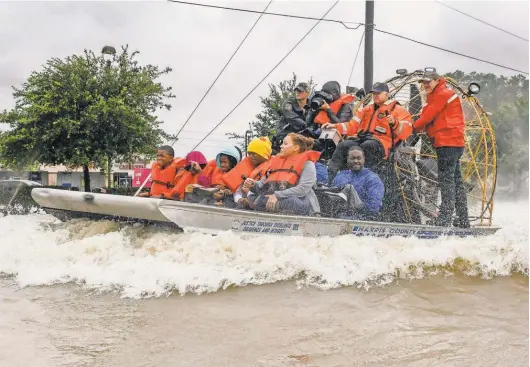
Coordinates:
[163,173]
[191,173]
[289,181]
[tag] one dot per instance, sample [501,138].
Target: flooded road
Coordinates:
[456,321]
[96,294]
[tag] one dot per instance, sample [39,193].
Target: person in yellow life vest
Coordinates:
[376,128]
[163,173]
[289,180]
[253,166]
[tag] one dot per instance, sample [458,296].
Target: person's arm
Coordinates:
[345,113]
[340,179]
[258,186]
[238,194]
[351,127]
[296,122]
[430,111]
[375,190]
[402,123]
[307,181]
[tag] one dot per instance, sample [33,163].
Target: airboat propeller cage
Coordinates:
[479,161]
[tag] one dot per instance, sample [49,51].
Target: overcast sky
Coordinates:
[197,41]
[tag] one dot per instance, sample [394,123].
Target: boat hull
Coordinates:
[214,219]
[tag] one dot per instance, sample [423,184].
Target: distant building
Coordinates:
[60,175]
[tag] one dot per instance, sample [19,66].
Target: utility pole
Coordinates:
[369,46]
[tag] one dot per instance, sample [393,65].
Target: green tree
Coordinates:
[265,122]
[507,100]
[83,111]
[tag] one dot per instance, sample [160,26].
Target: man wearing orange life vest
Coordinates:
[163,173]
[443,118]
[289,181]
[252,166]
[376,128]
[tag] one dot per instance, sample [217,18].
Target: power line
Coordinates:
[222,70]
[449,51]
[269,73]
[480,20]
[355,60]
[275,14]
[358,25]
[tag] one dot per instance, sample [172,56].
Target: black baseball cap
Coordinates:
[302,87]
[429,75]
[379,87]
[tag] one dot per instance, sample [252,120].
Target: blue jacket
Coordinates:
[322,173]
[367,184]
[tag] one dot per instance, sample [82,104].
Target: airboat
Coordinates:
[413,165]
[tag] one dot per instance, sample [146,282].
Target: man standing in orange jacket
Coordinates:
[376,128]
[443,118]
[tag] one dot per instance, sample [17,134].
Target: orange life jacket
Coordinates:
[375,122]
[260,171]
[235,177]
[322,117]
[183,179]
[163,179]
[284,172]
[214,173]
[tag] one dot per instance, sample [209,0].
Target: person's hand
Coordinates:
[243,203]
[143,194]
[196,167]
[325,106]
[221,194]
[249,183]
[391,120]
[271,202]
[218,195]
[329,125]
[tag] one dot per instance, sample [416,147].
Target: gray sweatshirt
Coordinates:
[304,187]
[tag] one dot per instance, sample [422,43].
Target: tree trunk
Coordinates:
[109,172]
[86,177]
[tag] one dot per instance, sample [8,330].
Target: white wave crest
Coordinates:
[140,262]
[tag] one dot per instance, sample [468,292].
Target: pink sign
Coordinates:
[139,176]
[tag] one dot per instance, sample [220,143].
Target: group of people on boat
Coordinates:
[281,175]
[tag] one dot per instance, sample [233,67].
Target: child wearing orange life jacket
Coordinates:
[290,179]
[163,173]
[258,151]
[191,173]
[216,169]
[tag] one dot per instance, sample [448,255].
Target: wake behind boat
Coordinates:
[70,204]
